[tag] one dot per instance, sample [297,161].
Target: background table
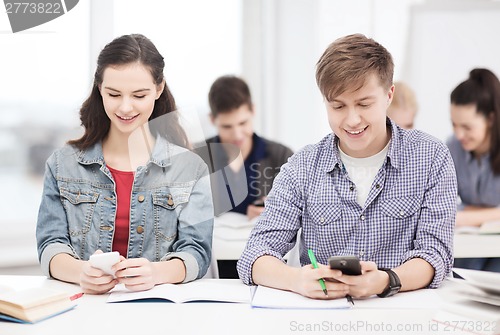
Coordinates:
[475,245]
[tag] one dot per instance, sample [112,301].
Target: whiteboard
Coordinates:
[447,39]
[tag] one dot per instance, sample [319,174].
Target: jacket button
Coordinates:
[141,198]
[140,229]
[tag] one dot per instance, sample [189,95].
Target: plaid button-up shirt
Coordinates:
[409,213]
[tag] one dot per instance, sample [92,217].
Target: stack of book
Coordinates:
[33,305]
[472,303]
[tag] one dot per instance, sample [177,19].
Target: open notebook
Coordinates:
[266,297]
[213,290]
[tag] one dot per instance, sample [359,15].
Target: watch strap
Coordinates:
[394,284]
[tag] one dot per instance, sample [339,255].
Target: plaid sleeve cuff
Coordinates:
[441,269]
[245,263]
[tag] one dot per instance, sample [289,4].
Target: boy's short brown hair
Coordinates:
[228,93]
[347,63]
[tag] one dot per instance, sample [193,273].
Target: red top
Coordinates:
[123,182]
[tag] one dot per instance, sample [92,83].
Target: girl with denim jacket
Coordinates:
[129,184]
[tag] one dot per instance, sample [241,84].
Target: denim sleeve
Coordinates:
[51,229]
[434,238]
[195,229]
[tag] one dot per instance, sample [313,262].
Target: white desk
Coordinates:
[94,316]
[231,233]
[474,245]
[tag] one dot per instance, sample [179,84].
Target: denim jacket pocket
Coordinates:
[171,198]
[167,203]
[79,204]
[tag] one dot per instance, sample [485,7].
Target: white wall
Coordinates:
[448,39]
[434,44]
[296,32]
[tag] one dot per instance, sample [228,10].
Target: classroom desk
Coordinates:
[94,316]
[231,232]
[475,245]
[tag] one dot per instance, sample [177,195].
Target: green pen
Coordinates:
[314,263]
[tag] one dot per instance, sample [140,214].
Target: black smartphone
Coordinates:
[349,265]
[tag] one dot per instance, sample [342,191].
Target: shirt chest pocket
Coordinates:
[401,208]
[324,213]
[322,225]
[79,204]
[171,198]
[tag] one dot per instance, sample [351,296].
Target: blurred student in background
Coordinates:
[232,113]
[475,147]
[244,164]
[403,108]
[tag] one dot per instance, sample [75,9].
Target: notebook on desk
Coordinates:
[202,290]
[487,281]
[266,297]
[472,304]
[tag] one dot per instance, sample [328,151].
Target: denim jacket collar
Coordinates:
[161,156]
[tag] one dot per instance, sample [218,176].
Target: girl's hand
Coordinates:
[95,281]
[137,274]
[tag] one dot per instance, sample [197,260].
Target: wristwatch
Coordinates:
[394,284]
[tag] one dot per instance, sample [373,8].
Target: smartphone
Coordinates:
[105,261]
[349,265]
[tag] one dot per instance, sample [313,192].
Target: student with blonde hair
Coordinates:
[404,107]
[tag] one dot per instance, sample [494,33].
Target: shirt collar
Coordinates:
[332,159]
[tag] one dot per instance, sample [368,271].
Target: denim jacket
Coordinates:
[171,210]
